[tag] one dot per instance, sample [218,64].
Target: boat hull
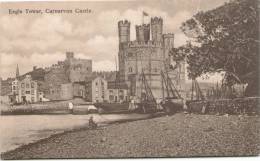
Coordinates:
[172,106]
[112,107]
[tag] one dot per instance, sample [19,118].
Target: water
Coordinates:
[23,129]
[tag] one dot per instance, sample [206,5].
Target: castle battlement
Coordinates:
[148,44]
[57,66]
[156,20]
[143,26]
[124,23]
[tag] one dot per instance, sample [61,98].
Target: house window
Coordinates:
[130,69]
[32,92]
[27,92]
[111,97]
[111,91]
[14,88]
[96,83]
[32,85]
[130,54]
[22,85]
[27,85]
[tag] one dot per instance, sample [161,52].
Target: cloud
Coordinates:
[39,35]
[104,65]
[102,48]
[172,24]
[106,21]
[50,24]
[12,27]
[43,40]
[180,39]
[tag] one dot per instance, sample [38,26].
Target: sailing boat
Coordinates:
[148,103]
[173,102]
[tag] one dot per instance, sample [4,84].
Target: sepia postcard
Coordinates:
[129,79]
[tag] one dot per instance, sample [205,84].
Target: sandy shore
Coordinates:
[180,135]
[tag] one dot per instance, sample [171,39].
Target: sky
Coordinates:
[42,39]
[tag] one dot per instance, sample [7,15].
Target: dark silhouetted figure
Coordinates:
[92,123]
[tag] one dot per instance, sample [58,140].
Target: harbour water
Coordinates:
[17,130]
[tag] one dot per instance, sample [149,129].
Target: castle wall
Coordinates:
[135,57]
[147,58]
[154,81]
[66,91]
[79,90]
[79,69]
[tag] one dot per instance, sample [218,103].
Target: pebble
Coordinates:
[187,136]
[103,139]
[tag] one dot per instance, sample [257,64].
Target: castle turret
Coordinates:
[124,31]
[156,28]
[142,32]
[168,40]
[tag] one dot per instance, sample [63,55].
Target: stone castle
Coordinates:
[71,70]
[149,54]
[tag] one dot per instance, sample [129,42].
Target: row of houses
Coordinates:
[95,89]
[68,79]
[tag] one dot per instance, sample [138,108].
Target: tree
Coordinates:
[224,39]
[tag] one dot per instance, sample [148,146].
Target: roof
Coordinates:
[91,78]
[116,85]
[107,75]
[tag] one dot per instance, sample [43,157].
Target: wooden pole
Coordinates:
[192,89]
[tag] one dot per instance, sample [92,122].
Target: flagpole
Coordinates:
[143,18]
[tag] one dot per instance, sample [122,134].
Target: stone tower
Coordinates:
[124,31]
[143,32]
[17,71]
[156,29]
[168,44]
[69,55]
